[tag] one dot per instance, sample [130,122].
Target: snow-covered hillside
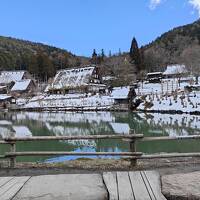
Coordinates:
[169,96]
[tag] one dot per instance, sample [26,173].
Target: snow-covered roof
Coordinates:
[120,128]
[154,73]
[175,69]
[9,76]
[72,78]
[22,131]
[120,92]
[4,97]
[108,78]
[21,85]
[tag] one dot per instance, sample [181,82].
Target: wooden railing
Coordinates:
[130,138]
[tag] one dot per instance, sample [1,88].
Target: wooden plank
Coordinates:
[161,138]
[110,180]
[10,189]
[82,137]
[148,186]
[124,186]
[154,180]
[139,188]
[49,153]
[4,142]
[4,180]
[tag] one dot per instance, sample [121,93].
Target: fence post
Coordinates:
[13,158]
[133,149]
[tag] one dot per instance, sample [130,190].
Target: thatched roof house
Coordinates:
[85,79]
[23,86]
[174,71]
[7,77]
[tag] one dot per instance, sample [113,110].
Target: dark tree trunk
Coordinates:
[196,79]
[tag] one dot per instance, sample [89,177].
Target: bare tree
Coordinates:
[191,58]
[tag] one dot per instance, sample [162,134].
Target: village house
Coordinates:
[7,77]
[16,82]
[6,100]
[154,77]
[26,87]
[123,97]
[79,80]
[175,71]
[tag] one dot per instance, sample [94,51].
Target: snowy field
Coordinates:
[168,96]
[76,101]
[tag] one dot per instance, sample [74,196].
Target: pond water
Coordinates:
[91,123]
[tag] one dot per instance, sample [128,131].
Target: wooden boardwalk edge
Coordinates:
[133,185]
[126,185]
[10,186]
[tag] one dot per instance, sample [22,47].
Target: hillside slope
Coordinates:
[21,54]
[172,46]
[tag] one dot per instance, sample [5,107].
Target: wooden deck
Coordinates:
[139,185]
[10,186]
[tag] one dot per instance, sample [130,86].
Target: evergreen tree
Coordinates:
[120,53]
[94,54]
[94,57]
[110,54]
[135,55]
[41,66]
[102,54]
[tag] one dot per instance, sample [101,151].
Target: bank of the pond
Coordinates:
[164,166]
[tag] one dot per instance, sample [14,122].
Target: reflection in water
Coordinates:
[172,125]
[26,124]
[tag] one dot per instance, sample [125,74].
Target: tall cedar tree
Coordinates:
[135,55]
[94,57]
[102,54]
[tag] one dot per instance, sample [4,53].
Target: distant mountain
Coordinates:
[22,54]
[169,48]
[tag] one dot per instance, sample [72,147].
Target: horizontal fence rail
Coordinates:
[189,137]
[85,137]
[170,155]
[49,153]
[130,138]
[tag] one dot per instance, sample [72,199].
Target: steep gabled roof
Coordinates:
[175,69]
[120,92]
[21,85]
[72,78]
[11,76]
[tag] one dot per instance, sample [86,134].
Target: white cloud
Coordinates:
[154,3]
[195,4]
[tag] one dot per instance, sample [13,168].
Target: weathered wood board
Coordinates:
[110,180]
[9,186]
[135,185]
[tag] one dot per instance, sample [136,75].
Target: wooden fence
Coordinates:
[130,138]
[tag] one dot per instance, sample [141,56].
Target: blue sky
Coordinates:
[82,25]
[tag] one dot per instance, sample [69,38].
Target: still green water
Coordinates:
[91,123]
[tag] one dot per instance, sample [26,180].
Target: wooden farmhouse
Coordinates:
[6,100]
[175,71]
[16,82]
[154,77]
[79,80]
[123,97]
[7,77]
[26,86]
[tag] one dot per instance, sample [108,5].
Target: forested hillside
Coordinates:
[180,45]
[41,60]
